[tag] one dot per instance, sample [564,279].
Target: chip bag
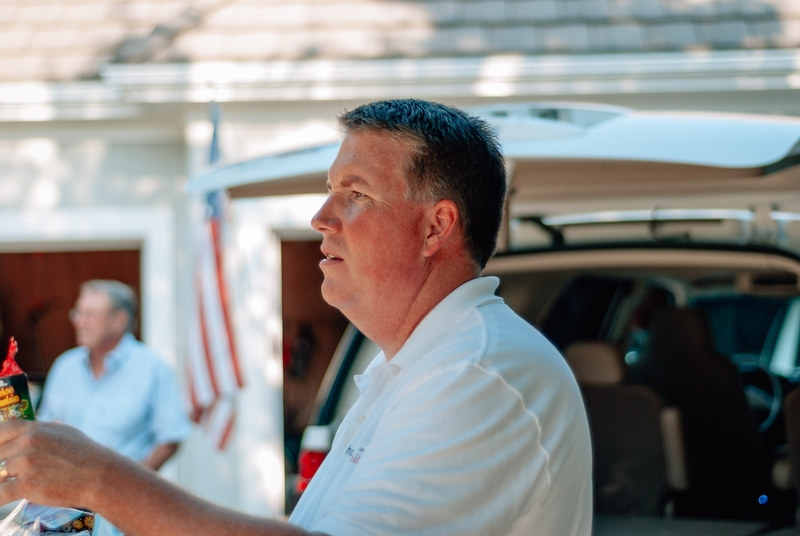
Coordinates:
[29,519]
[15,399]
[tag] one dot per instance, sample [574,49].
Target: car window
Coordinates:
[784,359]
[585,309]
[745,328]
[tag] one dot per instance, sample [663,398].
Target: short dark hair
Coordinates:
[121,296]
[457,157]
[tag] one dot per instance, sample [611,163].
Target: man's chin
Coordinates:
[84,341]
[334,297]
[328,294]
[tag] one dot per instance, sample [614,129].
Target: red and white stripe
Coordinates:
[213,366]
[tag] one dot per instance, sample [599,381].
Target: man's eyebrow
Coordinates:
[349,180]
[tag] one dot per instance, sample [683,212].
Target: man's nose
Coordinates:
[325,220]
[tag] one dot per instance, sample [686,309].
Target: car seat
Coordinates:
[634,467]
[726,468]
[791,408]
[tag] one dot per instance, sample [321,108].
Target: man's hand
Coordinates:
[50,463]
[57,465]
[160,455]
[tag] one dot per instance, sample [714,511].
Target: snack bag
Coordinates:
[15,400]
[29,519]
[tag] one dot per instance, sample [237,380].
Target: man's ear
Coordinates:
[120,318]
[443,224]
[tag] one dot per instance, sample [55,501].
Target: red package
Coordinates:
[10,366]
[15,399]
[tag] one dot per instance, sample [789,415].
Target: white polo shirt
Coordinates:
[475,427]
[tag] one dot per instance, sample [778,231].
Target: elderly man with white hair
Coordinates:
[112,387]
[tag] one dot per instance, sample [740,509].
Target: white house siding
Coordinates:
[73,186]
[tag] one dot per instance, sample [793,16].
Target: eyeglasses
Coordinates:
[75,314]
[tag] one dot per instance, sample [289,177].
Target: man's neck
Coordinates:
[97,355]
[392,335]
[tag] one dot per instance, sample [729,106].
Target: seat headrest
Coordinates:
[595,362]
[679,332]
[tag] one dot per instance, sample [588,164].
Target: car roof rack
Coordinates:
[554,225]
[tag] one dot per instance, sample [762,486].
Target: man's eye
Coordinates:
[358,195]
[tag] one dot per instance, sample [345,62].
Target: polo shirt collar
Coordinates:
[444,317]
[362,380]
[114,358]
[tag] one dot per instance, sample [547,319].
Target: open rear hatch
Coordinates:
[601,162]
[560,151]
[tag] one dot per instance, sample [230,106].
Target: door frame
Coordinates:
[150,229]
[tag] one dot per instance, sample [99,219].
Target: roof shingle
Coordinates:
[534,11]
[615,37]
[668,36]
[69,40]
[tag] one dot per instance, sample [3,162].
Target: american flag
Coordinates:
[213,367]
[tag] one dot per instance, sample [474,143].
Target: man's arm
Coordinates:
[58,465]
[161,453]
[167,419]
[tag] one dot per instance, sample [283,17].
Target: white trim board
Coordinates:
[483,76]
[125,86]
[71,229]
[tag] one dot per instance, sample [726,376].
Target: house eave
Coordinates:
[485,76]
[123,87]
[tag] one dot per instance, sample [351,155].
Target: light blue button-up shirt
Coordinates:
[133,407]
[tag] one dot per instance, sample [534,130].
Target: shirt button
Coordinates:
[362,419]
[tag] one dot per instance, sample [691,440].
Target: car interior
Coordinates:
[688,358]
[688,363]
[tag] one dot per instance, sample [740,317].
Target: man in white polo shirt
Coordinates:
[469,421]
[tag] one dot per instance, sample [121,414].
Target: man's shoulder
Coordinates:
[498,341]
[145,352]
[70,357]
[507,331]
[68,364]
[494,338]
[494,328]
[145,360]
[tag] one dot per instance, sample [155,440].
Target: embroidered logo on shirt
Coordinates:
[354,456]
